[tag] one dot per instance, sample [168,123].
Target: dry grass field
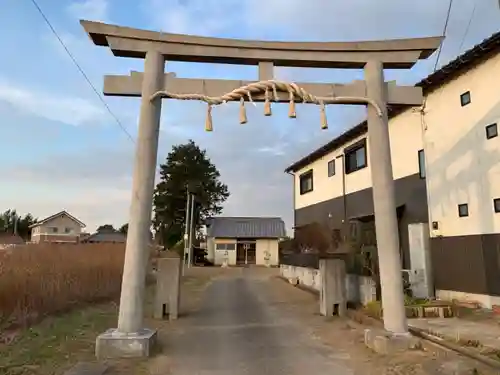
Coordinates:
[41,280]
[50,311]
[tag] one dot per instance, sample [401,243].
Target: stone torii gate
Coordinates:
[130,338]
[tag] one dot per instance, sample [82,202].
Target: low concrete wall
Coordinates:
[360,289]
[309,277]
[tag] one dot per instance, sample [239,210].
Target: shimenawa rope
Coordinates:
[268,87]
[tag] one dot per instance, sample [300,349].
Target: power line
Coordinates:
[82,72]
[445,28]
[422,109]
[471,17]
[85,76]
[440,49]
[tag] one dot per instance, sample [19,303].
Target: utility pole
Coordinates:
[186,228]
[191,230]
[16,219]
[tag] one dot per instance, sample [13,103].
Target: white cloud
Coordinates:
[93,10]
[207,17]
[277,150]
[57,107]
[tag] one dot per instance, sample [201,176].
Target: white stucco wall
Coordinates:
[210,249]
[221,255]
[270,246]
[464,166]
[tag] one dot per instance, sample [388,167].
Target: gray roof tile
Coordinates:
[106,237]
[246,227]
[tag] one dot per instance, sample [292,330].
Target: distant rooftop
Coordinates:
[246,227]
[59,214]
[107,236]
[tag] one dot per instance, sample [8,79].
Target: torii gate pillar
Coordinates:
[384,203]
[130,339]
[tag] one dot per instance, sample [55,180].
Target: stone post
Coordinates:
[168,282]
[384,202]
[131,339]
[333,299]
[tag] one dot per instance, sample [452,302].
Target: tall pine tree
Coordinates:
[186,166]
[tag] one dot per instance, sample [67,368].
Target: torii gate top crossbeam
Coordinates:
[130,42]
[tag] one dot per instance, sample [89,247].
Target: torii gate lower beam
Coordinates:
[131,86]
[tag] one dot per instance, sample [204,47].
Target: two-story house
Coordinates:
[446,168]
[61,228]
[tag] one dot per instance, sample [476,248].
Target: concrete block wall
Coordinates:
[360,289]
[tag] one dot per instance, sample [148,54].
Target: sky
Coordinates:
[62,150]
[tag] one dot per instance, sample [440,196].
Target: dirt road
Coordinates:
[237,330]
[248,322]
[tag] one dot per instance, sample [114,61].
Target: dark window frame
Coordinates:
[491,126]
[465,98]
[351,150]
[422,172]
[496,205]
[224,246]
[305,175]
[331,162]
[463,214]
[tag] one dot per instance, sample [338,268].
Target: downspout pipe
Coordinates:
[344,198]
[293,196]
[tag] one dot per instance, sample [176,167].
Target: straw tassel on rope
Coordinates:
[208,122]
[243,112]
[267,103]
[291,108]
[322,113]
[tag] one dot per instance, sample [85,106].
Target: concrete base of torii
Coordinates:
[114,344]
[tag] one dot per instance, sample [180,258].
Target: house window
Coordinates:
[491,131]
[496,205]
[331,168]
[53,230]
[465,98]
[306,182]
[225,246]
[355,157]
[463,210]
[67,230]
[421,163]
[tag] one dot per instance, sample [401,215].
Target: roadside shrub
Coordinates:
[39,280]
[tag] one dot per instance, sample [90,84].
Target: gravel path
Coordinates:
[236,331]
